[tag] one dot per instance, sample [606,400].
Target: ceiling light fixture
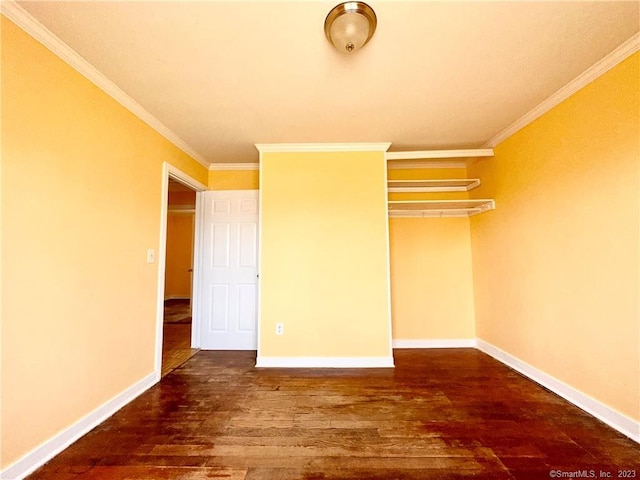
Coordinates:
[350,25]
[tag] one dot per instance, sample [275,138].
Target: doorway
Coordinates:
[178,278]
[178,270]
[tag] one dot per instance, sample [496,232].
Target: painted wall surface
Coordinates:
[182,198]
[81,202]
[428,174]
[431,281]
[234,179]
[556,264]
[324,255]
[425,173]
[179,255]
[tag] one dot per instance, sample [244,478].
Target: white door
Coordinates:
[229,270]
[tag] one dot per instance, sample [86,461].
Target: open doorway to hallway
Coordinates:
[178,288]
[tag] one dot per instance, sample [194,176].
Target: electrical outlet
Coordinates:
[279,328]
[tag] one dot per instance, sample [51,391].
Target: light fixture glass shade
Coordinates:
[350,25]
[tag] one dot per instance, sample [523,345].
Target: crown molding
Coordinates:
[42,34]
[323,147]
[621,53]
[234,166]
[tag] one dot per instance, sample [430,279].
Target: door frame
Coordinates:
[170,171]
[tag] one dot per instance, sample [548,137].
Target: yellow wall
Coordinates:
[556,264]
[81,201]
[431,281]
[425,173]
[179,255]
[234,179]
[428,174]
[324,270]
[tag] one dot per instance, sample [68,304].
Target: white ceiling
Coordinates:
[224,75]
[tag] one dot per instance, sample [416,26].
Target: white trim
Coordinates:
[388,251]
[436,343]
[425,188]
[458,213]
[616,420]
[162,253]
[56,444]
[196,278]
[181,177]
[446,208]
[259,299]
[621,53]
[420,164]
[24,20]
[323,147]
[234,166]
[324,362]
[428,154]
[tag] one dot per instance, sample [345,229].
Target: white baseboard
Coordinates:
[325,362]
[436,343]
[50,448]
[616,420]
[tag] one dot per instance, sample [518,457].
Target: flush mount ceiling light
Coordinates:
[350,25]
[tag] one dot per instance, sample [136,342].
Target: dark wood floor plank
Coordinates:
[157,473]
[368,474]
[445,414]
[176,346]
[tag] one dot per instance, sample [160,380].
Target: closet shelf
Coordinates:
[449,185]
[436,158]
[439,208]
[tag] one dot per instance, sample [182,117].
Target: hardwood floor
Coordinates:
[176,335]
[440,414]
[176,346]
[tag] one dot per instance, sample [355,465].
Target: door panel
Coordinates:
[219,311]
[248,242]
[220,245]
[247,308]
[230,270]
